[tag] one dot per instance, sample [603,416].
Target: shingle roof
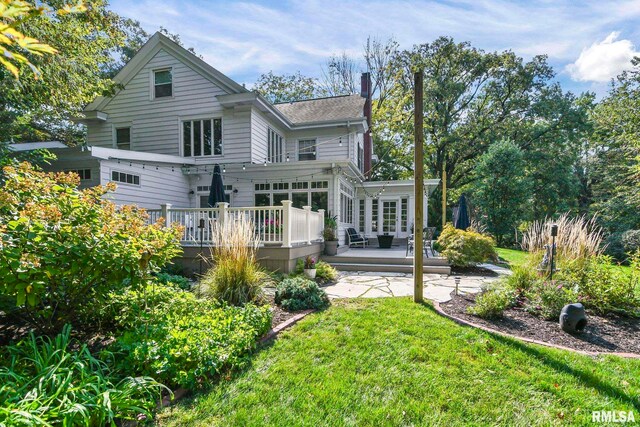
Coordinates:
[323,109]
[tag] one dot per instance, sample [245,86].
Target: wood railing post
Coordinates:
[307,219]
[286,223]
[165,209]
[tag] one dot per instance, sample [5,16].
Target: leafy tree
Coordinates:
[34,109]
[286,87]
[616,151]
[501,188]
[471,98]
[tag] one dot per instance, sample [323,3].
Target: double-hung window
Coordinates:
[162,84]
[307,149]
[123,138]
[202,138]
[275,147]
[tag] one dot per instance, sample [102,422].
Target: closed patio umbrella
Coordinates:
[462,221]
[216,192]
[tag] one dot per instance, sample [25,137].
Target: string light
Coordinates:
[224,169]
[340,143]
[244,167]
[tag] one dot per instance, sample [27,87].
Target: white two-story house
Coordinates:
[175,117]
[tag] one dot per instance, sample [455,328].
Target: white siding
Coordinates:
[327,143]
[155,123]
[156,186]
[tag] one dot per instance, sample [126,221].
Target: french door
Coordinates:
[389,216]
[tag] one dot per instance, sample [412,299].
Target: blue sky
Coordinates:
[587,42]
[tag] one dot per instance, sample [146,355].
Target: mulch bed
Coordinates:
[602,334]
[472,271]
[279,314]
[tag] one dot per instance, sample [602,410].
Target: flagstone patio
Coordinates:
[437,287]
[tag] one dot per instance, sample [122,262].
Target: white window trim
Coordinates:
[298,149]
[283,145]
[152,84]
[114,134]
[181,120]
[111,171]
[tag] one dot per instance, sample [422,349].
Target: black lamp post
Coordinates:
[554,233]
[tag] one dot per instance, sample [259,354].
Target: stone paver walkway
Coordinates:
[437,287]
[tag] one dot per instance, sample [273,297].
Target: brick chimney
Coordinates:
[365,92]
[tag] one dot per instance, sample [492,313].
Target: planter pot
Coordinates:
[331,247]
[384,241]
[310,273]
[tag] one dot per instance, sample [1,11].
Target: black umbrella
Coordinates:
[462,218]
[216,192]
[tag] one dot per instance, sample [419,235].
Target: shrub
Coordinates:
[492,303]
[614,246]
[465,248]
[631,240]
[601,287]
[325,272]
[521,280]
[177,280]
[45,382]
[64,249]
[546,299]
[235,277]
[183,340]
[299,293]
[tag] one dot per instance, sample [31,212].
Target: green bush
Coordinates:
[59,382]
[492,303]
[177,280]
[546,299]
[521,280]
[183,340]
[325,272]
[601,287]
[631,240]
[64,249]
[464,248]
[299,293]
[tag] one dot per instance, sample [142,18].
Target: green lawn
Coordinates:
[513,257]
[391,362]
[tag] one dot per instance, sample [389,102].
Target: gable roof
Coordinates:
[159,42]
[323,109]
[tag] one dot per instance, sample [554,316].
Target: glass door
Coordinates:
[389,216]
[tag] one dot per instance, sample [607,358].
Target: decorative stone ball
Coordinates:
[572,318]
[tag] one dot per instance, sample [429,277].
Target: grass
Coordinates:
[513,257]
[389,361]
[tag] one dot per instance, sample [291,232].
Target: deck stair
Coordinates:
[377,260]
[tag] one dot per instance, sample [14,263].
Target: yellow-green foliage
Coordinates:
[465,248]
[64,249]
[235,276]
[325,272]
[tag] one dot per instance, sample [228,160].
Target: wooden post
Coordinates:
[418,253]
[444,195]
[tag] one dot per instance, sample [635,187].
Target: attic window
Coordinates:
[163,84]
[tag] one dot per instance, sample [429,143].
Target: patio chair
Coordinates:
[427,241]
[355,239]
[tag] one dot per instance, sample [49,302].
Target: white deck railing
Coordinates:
[274,225]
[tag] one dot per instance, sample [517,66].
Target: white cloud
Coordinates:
[603,60]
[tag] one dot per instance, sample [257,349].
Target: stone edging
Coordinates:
[286,324]
[463,322]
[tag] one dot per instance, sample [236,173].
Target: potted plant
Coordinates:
[310,267]
[330,236]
